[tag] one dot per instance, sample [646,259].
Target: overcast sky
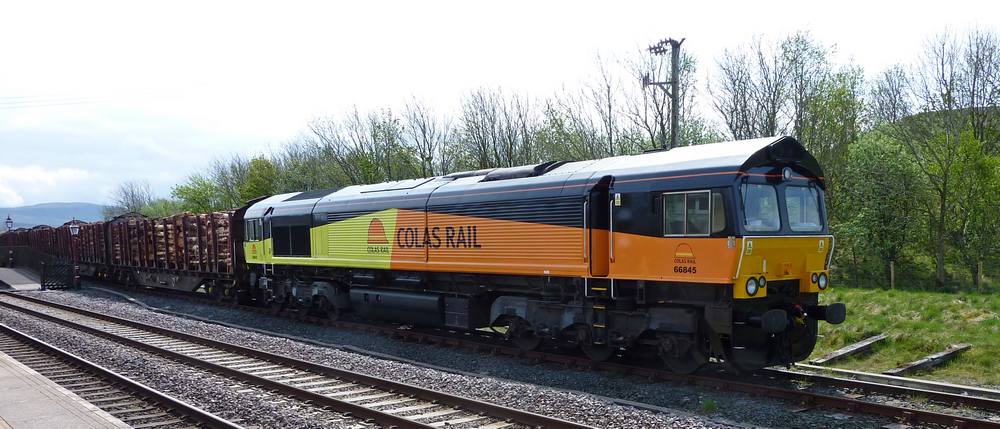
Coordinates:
[95,93]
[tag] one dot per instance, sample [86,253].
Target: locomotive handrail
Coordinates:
[586,233]
[611,230]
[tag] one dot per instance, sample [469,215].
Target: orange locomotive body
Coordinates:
[717,251]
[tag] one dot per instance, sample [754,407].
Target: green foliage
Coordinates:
[198,195]
[881,188]
[161,207]
[708,406]
[260,179]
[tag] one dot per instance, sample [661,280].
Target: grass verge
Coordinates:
[918,324]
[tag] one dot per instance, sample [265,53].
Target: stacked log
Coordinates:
[135,257]
[192,239]
[169,241]
[116,244]
[185,241]
[151,243]
[223,245]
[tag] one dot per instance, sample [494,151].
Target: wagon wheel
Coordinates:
[520,332]
[214,290]
[682,354]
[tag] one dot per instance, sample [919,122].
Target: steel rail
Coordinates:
[907,382]
[913,387]
[466,404]
[162,399]
[805,397]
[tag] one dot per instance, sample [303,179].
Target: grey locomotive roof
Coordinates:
[725,156]
[686,158]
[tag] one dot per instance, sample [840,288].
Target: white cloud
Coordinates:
[19,182]
[9,198]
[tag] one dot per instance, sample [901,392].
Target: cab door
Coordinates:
[596,223]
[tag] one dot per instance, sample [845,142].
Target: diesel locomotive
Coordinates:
[715,251]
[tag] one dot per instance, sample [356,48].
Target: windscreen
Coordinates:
[803,209]
[760,208]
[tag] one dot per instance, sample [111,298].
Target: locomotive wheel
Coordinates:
[681,354]
[802,339]
[520,332]
[598,352]
[595,352]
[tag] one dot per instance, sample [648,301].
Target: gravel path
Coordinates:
[253,407]
[568,394]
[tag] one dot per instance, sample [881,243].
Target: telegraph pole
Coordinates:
[660,48]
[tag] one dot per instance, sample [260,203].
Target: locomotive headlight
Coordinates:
[752,286]
[822,281]
[815,278]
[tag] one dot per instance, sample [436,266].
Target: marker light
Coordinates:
[762,282]
[815,278]
[786,173]
[751,286]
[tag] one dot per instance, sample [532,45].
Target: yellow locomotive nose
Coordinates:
[803,261]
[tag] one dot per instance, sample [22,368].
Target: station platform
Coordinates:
[28,400]
[19,279]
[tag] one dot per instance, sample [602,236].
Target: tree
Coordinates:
[198,195]
[941,89]
[260,180]
[889,97]
[497,130]
[162,207]
[829,122]
[879,187]
[128,197]
[751,90]
[426,134]
[980,86]
[132,195]
[974,222]
[228,175]
[808,66]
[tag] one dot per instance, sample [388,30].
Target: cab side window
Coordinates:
[248,231]
[252,230]
[718,213]
[693,213]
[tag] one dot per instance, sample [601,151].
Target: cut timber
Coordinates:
[929,361]
[858,347]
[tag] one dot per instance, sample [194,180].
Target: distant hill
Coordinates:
[52,214]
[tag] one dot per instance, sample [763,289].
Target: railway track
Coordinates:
[134,404]
[759,383]
[387,403]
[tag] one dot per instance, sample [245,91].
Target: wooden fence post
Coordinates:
[892,274]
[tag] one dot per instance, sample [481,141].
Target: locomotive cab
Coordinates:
[784,259]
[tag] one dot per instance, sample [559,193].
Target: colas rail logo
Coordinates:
[449,236]
[684,261]
[377,242]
